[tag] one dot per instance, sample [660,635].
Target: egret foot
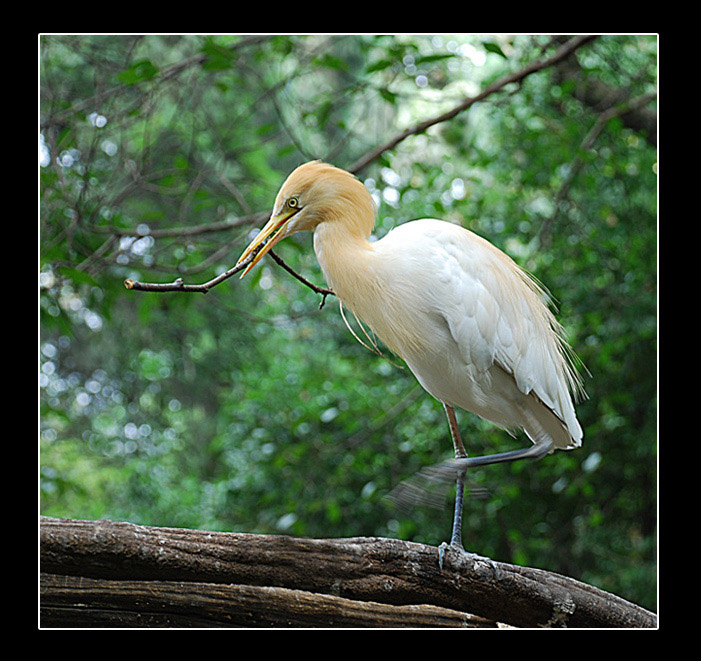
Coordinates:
[455,546]
[458,548]
[479,562]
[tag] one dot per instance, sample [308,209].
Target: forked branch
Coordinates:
[179,284]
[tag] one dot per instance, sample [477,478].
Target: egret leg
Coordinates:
[460,453]
[539,449]
[459,467]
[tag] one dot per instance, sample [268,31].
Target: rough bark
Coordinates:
[104,573]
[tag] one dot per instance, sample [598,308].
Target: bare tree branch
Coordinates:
[165,74]
[538,65]
[193,230]
[319,290]
[178,285]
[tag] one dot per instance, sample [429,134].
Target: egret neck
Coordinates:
[346,258]
[355,268]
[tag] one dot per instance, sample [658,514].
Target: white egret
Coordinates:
[473,327]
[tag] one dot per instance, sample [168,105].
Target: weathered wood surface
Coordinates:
[107,574]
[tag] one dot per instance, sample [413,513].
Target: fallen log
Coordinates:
[115,574]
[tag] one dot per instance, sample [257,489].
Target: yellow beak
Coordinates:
[273,227]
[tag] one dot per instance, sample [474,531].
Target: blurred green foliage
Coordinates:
[250,409]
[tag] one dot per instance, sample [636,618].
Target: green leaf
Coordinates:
[379,65]
[218,57]
[265,129]
[216,63]
[388,96]
[137,72]
[425,59]
[331,61]
[492,47]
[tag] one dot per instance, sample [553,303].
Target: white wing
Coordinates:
[497,315]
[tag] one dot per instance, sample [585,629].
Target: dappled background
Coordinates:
[249,408]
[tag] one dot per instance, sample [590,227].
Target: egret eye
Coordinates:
[293,203]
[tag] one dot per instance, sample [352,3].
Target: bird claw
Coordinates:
[478,561]
[456,546]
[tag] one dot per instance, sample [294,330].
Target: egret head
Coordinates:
[314,193]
